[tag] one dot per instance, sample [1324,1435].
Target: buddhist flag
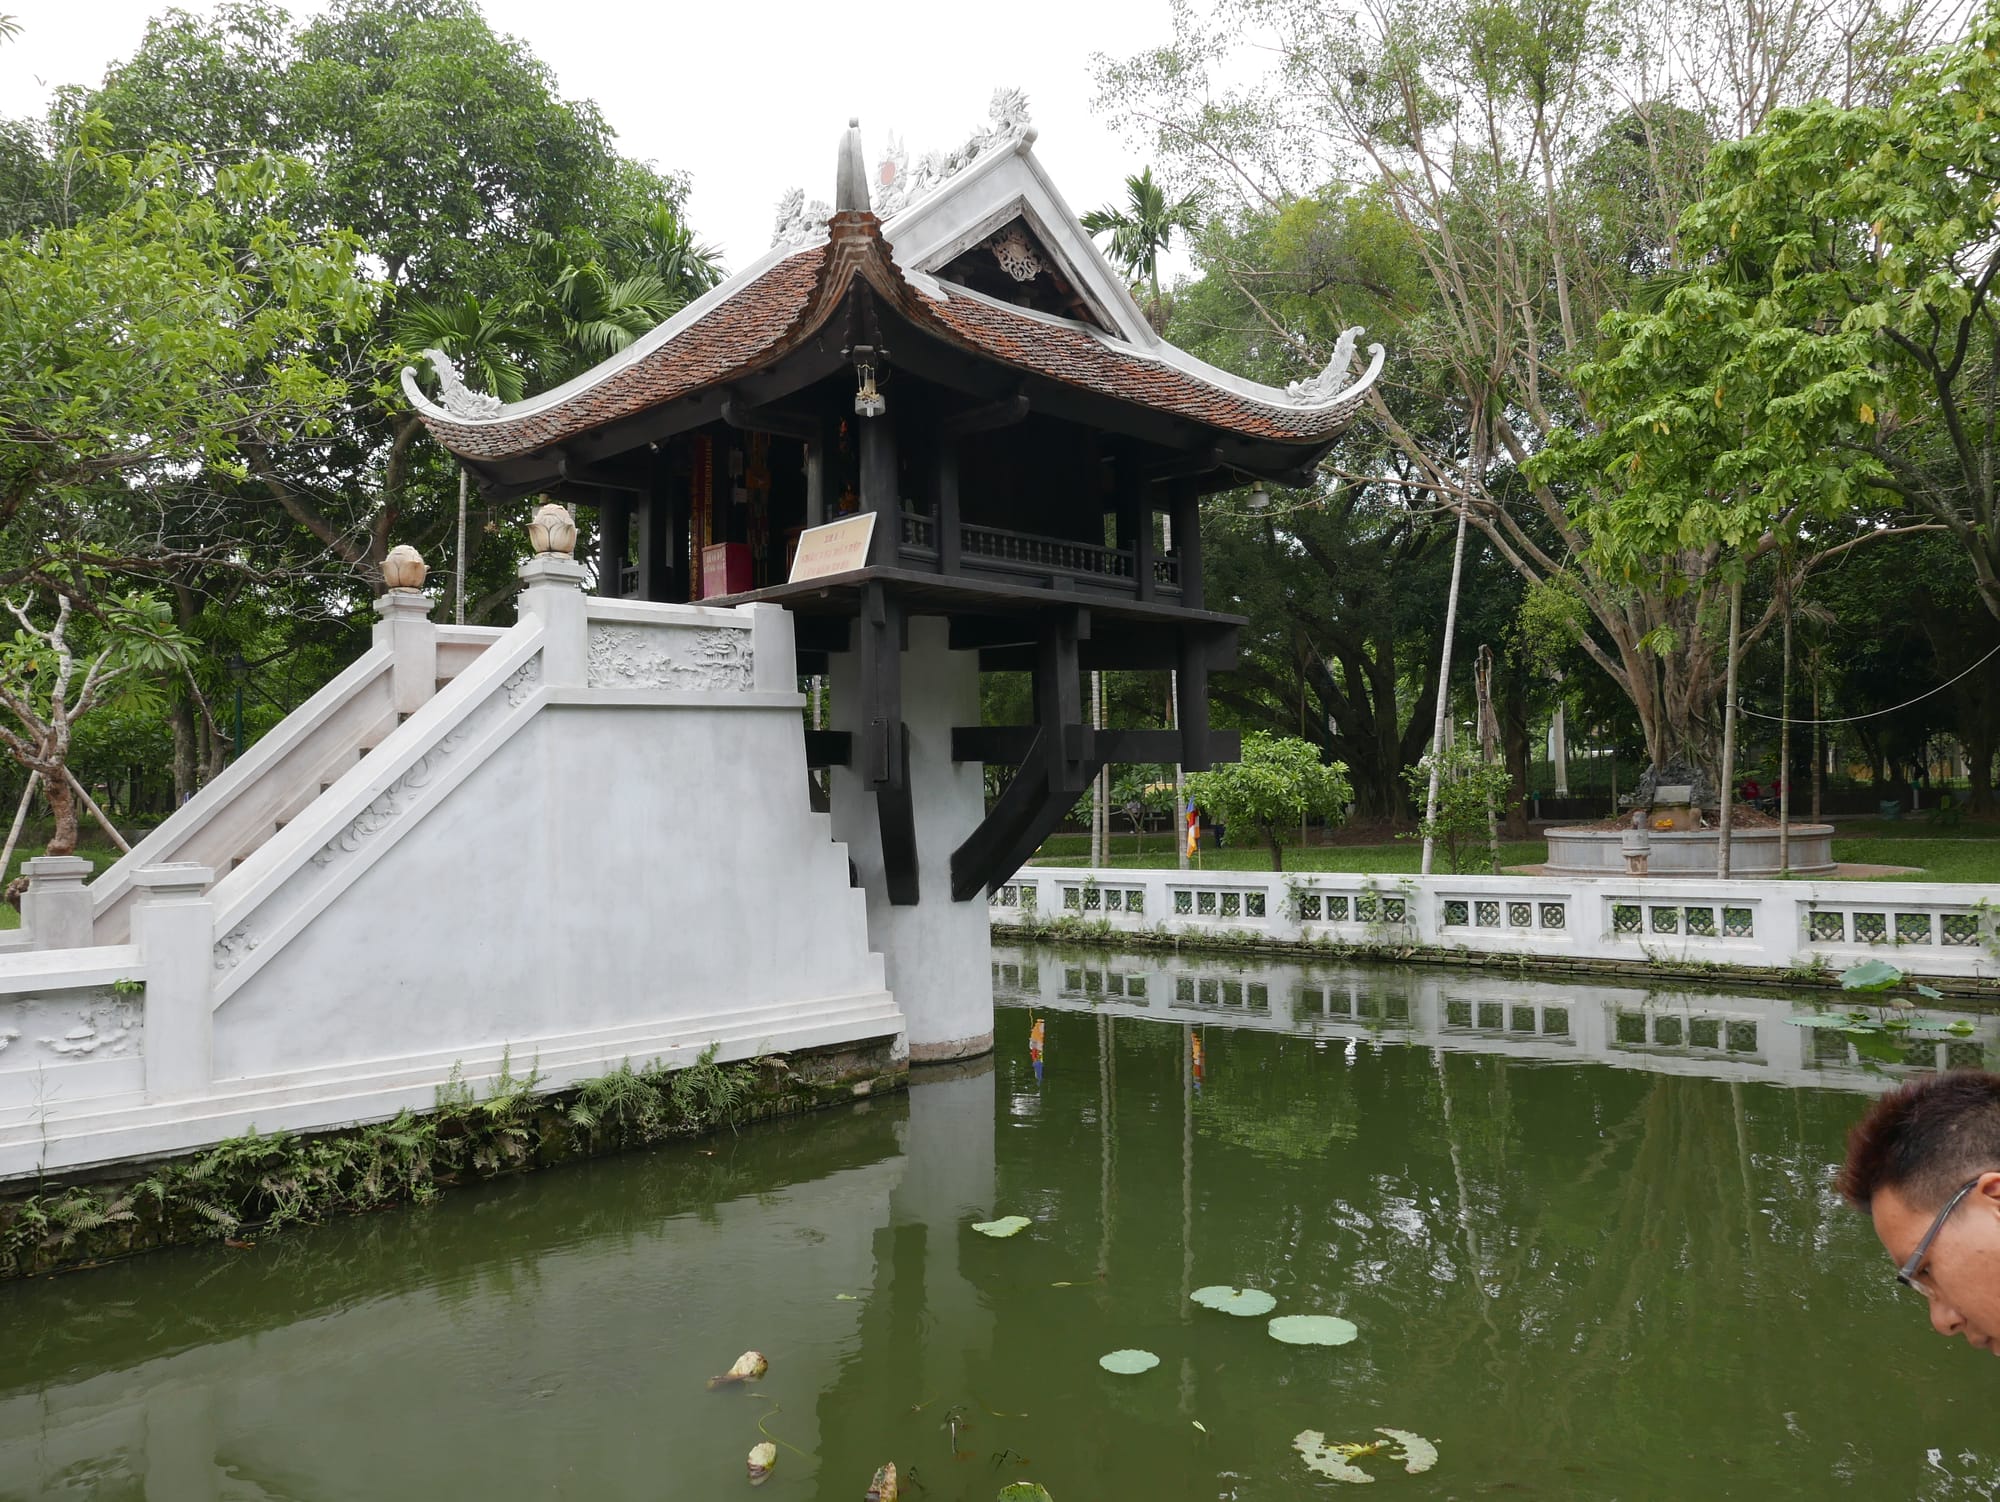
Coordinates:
[1193,830]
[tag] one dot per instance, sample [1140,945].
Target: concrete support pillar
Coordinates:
[173,923]
[774,667]
[55,909]
[552,591]
[403,625]
[938,953]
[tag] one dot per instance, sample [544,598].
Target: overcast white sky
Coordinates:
[748,98]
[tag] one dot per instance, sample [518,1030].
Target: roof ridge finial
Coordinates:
[850,191]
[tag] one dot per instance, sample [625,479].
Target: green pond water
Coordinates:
[1589,1240]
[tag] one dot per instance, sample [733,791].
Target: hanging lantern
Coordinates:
[553,529]
[867,400]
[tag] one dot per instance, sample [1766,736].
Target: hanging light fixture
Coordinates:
[868,401]
[1260,499]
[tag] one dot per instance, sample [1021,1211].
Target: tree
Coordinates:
[449,150]
[1143,227]
[1837,347]
[144,349]
[1536,159]
[1470,790]
[56,671]
[1279,783]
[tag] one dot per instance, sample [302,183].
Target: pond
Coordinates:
[1589,1241]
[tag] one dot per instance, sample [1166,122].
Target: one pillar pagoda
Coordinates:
[958,362]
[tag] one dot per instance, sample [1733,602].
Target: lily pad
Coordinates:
[1327,1460]
[1337,1460]
[1870,975]
[1128,1363]
[1006,1225]
[1417,1453]
[1025,1491]
[1247,1302]
[1312,1330]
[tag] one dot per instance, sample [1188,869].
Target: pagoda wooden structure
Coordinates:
[958,359]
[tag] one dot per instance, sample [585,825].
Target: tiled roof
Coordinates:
[769,316]
[1079,358]
[735,334]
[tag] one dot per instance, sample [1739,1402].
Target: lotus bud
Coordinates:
[404,568]
[749,1367]
[762,1458]
[883,1487]
[553,529]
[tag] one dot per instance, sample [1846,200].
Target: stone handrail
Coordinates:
[1938,929]
[240,805]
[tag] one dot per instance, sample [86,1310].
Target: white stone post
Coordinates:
[173,924]
[403,625]
[552,591]
[773,662]
[55,909]
[1559,751]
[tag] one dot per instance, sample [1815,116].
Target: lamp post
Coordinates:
[238,671]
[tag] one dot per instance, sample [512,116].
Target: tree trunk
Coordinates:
[1978,768]
[1277,849]
[182,717]
[1727,781]
[62,803]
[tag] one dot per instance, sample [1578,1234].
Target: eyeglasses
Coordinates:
[1907,1273]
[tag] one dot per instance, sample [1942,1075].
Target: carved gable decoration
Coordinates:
[1012,265]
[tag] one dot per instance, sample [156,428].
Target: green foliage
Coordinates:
[261,1183]
[1833,349]
[1469,791]
[1144,225]
[1279,783]
[162,332]
[1884,1035]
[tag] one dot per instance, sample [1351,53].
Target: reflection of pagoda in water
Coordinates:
[957,363]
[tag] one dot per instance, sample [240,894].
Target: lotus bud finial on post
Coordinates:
[404,568]
[553,529]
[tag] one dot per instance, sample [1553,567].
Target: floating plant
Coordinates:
[1246,1302]
[1128,1363]
[1336,1461]
[1312,1330]
[762,1458]
[883,1487]
[1006,1225]
[1025,1491]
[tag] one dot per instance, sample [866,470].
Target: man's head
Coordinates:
[1907,1161]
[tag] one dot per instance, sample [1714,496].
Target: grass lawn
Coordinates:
[1389,857]
[1966,852]
[100,852]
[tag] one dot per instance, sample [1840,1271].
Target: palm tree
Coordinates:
[1144,227]
[659,240]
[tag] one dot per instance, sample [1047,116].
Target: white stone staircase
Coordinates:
[286,772]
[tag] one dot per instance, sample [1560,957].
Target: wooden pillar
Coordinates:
[679,588]
[614,544]
[949,537]
[878,487]
[1191,699]
[820,450]
[1135,522]
[884,750]
[1187,538]
[655,562]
